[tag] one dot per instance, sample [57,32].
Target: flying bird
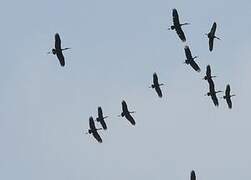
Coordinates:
[190,59]
[192,175]
[127,113]
[211,36]
[213,93]
[228,96]
[101,118]
[208,73]
[93,130]
[177,26]
[58,50]
[156,85]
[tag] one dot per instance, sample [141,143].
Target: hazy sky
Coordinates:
[116,47]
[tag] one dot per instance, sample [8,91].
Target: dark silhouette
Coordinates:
[93,130]
[127,113]
[190,59]
[58,50]
[101,118]
[192,175]
[177,26]
[212,92]
[211,36]
[228,96]
[156,85]
[208,73]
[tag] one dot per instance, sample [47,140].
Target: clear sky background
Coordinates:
[116,47]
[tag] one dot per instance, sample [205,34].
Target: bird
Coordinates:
[101,118]
[190,59]
[93,130]
[177,26]
[228,96]
[211,36]
[208,74]
[127,113]
[192,175]
[58,50]
[213,93]
[156,85]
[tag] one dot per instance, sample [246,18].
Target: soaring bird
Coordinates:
[101,118]
[208,73]
[127,113]
[228,96]
[93,130]
[211,36]
[156,85]
[177,26]
[190,59]
[192,175]
[58,50]
[213,93]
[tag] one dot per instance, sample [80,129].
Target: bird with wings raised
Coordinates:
[101,118]
[127,114]
[177,26]
[228,96]
[58,51]
[190,59]
[93,130]
[156,85]
[213,93]
[211,36]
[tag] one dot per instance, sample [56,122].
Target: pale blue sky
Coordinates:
[116,47]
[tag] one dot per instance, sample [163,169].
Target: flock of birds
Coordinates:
[190,60]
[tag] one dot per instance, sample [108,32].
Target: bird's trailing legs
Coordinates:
[184,24]
[90,131]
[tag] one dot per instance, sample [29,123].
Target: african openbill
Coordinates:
[190,59]
[127,113]
[211,36]
[58,50]
[177,26]
[101,118]
[93,130]
[212,92]
[228,96]
[208,73]
[156,85]
[192,175]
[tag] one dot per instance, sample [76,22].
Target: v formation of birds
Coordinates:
[190,60]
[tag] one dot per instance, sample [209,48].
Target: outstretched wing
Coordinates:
[211,43]
[155,79]
[215,99]
[124,106]
[227,92]
[195,66]
[158,90]
[211,85]
[208,73]
[188,53]
[60,58]
[97,136]
[103,124]
[229,103]
[192,176]
[180,33]
[177,25]
[92,124]
[130,118]
[100,113]
[213,29]
[175,17]
[57,42]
